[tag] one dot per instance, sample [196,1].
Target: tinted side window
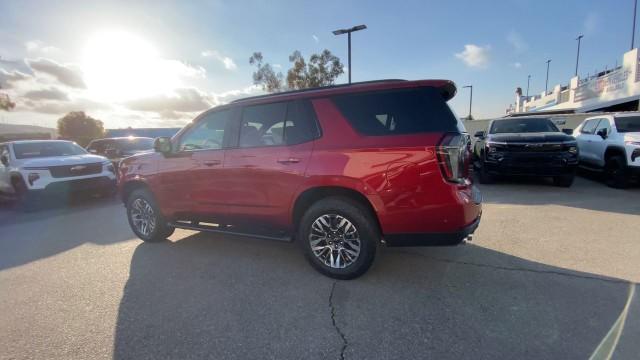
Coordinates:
[603,124]
[589,126]
[398,112]
[301,125]
[263,125]
[208,133]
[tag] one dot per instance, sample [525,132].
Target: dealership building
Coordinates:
[616,89]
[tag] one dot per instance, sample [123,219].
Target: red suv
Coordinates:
[339,169]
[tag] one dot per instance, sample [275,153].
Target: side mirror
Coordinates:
[602,133]
[4,160]
[479,134]
[162,145]
[568,131]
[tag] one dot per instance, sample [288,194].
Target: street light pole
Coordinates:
[578,54]
[528,79]
[546,83]
[470,99]
[348,32]
[633,31]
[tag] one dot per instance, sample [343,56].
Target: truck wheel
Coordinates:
[24,200]
[145,217]
[339,237]
[616,173]
[484,177]
[563,181]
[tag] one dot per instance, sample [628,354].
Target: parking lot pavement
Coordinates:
[549,272]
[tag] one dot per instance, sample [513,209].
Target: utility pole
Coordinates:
[470,99]
[348,32]
[528,79]
[633,30]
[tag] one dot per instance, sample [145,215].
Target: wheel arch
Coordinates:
[613,151]
[130,186]
[311,195]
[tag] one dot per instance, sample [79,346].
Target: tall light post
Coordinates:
[348,32]
[578,54]
[546,83]
[633,30]
[470,99]
[528,79]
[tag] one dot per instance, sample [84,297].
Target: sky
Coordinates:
[160,63]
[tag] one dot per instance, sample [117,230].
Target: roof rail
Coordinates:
[315,89]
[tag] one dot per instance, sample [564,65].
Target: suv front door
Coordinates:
[598,145]
[191,185]
[5,177]
[585,141]
[268,165]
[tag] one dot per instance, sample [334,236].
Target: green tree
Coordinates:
[321,70]
[79,127]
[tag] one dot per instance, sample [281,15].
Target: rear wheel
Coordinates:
[563,181]
[145,217]
[339,237]
[616,173]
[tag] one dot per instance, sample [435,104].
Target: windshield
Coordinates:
[136,144]
[628,124]
[523,126]
[46,149]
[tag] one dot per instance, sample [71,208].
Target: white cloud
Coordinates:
[517,65]
[277,66]
[517,42]
[181,100]
[228,62]
[51,93]
[66,74]
[475,56]
[37,46]
[9,78]
[315,38]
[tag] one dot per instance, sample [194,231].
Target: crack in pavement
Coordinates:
[333,321]
[506,268]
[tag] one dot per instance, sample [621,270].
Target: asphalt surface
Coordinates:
[547,275]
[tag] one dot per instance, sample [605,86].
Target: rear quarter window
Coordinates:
[396,112]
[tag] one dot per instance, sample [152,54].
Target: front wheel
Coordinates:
[145,217]
[616,173]
[339,237]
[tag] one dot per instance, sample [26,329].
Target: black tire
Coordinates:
[484,177]
[24,200]
[161,231]
[564,181]
[616,174]
[363,221]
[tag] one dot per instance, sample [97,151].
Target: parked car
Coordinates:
[32,168]
[339,169]
[118,148]
[611,144]
[525,146]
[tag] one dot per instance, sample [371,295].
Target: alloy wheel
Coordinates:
[143,217]
[334,241]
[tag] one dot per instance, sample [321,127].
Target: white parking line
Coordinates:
[608,344]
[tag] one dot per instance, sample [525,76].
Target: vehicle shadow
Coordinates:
[207,296]
[585,193]
[31,236]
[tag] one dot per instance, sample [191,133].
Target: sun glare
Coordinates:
[120,66]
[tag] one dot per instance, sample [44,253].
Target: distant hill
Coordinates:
[26,129]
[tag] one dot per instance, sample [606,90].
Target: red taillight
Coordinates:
[454,155]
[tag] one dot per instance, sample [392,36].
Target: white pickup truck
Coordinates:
[611,143]
[32,168]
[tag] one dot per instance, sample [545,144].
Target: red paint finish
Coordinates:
[399,175]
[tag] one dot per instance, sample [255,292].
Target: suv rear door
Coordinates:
[268,164]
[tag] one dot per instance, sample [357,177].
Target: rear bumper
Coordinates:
[432,239]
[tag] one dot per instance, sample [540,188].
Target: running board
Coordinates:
[216,230]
